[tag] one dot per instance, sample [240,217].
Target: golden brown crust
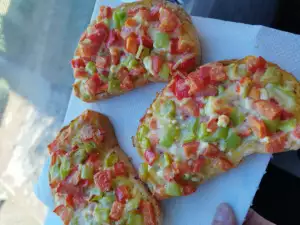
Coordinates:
[111,144]
[187,28]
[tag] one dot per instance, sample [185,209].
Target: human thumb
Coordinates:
[224,215]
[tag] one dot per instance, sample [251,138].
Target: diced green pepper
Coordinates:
[64,167]
[90,67]
[90,146]
[133,203]
[284,97]
[145,143]
[103,78]
[130,62]
[74,221]
[101,214]
[86,172]
[168,109]
[164,72]
[187,176]
[142,52]
[142,132]
[143,171]
[161,40]
[96,194]
[113,86]
[189,133]
[79,156]
[221,133]
[107,201]
[170,135]
[167,159]
[173,189]
[119,18]
[221,89]
[233,140]
[202,132]
[272,125]
[272,75]
[237,117]
[287,125]
[134,219]
[55,172]
[111,159]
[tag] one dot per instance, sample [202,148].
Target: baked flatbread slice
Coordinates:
[93,181]
[133,45]
[205,124]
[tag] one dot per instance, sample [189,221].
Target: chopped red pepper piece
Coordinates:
[190,149]
[257,126]
[122,193]
[276,143]
[253,64]
[268,109]
[212,151]
[148,213]
[103,180]
[77,63]
[116,211]
[120,169]
[150,157]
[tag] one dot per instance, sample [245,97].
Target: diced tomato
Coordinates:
[105,12]
[154,12]
[212,151]
[217,73]
[267,109]
[127,84]
[103,180]
[114,38]
[132,44]
[150,157]
[180,88]
[120,169]
[122,73]
[88,49]
[204,74]
[154,139]
[169,173]
[94,160]
[99,34]
[146,41]
[102,62]
[225,164]
[257,126]
[122,193]
[130,22]
[254,93]
[198,164]
[83,183]
[209,90]
[69,201]
[189,189]
[190,149]
[296,131]
[181,167]
[80,73]
[148,213]
[187,64]
[93,83]
[157,63]
[137,71]
[116,211]
[153,123]
[285,115]
[132,11]
[168,20]
[276,143]
[77,63]
[245,132]
[254,64]
[212,125]
[98,136]
[67,188]
[174,46]
[53,146]
[115,56]
[195,82]
[64,212]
